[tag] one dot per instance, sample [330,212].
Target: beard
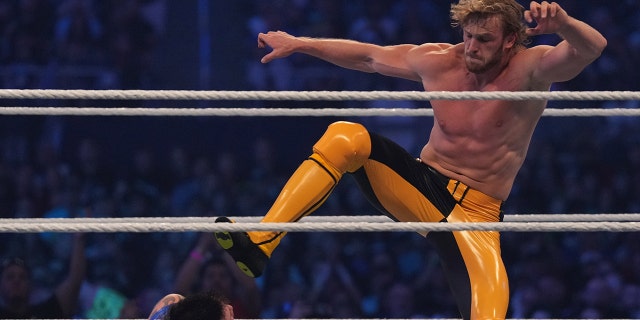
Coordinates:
[477,66]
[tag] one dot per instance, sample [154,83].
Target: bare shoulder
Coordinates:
[165,301]
[534,53]
[525,62]
[430,56]
[433,49]
[529,57]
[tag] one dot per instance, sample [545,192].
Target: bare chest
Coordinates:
[474,119]
[480,118]
[510,79]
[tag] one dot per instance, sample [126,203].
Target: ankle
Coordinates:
[267,241]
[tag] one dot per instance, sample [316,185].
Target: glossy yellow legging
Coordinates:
[405,189]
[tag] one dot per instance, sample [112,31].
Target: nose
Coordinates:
[472,45]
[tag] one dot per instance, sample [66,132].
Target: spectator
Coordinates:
[200,306]
[30,33]
[207,269]
[16,288]
[78,32]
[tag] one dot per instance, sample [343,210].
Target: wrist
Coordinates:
[566,27]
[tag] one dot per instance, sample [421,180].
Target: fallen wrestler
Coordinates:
[200,306]
[467,168]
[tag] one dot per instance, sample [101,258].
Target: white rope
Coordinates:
[86,225]
[271,112]
[583,217]
[313,95]
[577,217]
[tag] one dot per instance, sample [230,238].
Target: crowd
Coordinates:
[69,167]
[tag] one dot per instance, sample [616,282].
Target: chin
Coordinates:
[474,68]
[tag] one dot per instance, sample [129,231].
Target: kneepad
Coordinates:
[345,146]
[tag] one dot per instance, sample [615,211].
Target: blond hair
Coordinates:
[510,13]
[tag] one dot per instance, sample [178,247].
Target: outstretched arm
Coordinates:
[190,269]
[247,287]
[68,291]
[581,44]
[365,57]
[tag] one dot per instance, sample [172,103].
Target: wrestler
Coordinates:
[475,149]
[200,306]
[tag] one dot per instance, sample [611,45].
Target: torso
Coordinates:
[482,143]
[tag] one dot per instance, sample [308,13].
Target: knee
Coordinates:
[345,145]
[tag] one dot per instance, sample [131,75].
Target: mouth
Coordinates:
[473,57]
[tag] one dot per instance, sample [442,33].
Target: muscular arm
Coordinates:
[365,57]
[581,44]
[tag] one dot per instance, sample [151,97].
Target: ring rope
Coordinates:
[298,112]
[51,225]
[313,95]
[526,223]
[577,217]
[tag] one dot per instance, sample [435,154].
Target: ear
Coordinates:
[510,40]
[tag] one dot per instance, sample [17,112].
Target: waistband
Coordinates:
[467,196]
[461,192]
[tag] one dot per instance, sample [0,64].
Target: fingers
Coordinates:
[553,9]
[541,10]
[532,32]
[527,16]
[544,6]
[266,58]
[262,37]
[548,17]
[279,41]
[261,43]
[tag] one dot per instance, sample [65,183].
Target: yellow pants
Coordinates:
[406,189]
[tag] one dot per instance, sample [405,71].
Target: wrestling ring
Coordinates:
[602,222]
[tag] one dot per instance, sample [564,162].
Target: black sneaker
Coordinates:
[248,256]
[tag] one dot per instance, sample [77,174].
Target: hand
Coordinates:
[549,18]
[281,43]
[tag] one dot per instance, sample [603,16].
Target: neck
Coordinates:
[488,76]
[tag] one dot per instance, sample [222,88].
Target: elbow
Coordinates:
[603,44]
[592,52]
[599,46]
[368,65]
